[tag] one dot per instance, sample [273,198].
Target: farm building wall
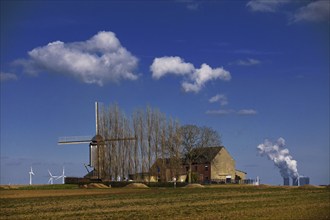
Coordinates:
[222,166]
[239,176]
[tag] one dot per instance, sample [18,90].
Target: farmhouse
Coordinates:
[211,164]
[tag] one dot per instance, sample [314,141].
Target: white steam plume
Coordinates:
[280,156]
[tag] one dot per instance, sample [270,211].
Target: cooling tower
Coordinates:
[303,180]
[286,181]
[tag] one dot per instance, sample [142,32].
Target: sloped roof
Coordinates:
[199,156]
[204,155]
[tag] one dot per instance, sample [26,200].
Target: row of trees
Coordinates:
[157,137]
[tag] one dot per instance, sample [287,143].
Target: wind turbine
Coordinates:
[51,179]
[62,176]
[31,173]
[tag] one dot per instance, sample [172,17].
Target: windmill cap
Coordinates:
[97,138]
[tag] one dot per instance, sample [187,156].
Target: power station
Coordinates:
[297,181]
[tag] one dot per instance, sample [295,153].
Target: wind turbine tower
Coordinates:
[31,174]
[62,176]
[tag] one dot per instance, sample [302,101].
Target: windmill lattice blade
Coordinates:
[121,139]
[74,140]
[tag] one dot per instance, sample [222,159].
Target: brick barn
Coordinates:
[213,164]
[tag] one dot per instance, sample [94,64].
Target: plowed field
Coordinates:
[220,202]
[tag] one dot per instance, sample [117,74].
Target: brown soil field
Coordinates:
[211,202]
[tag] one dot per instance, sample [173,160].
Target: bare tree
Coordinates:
[173,146]
[156,132]
[194,137]
[149,128]
[136,143]
[209,137]
[190,140]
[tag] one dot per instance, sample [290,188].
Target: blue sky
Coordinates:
[252,70]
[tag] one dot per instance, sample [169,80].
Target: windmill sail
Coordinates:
[74,140]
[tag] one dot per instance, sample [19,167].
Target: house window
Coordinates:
[206,168]
[196,168]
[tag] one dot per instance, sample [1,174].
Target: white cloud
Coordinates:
[193,6]
[231,111]
[203,75]
[247,62]
[220,112]
[175,65]
[221,98]
[7,76]
[313,12]
[190,87]
[190,4]
[195,78]
[98,60]
[265,5]
[247,112]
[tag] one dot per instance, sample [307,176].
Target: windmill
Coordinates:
[31,174]
[62,176]
[51,179]
[96,144]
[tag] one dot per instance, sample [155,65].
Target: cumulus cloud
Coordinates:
[221,98]
[7,76]
[175,65]
[313,12]
[98,60]
[265,5]
[203,75]
[232,111]
[195,78]
[247,62]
